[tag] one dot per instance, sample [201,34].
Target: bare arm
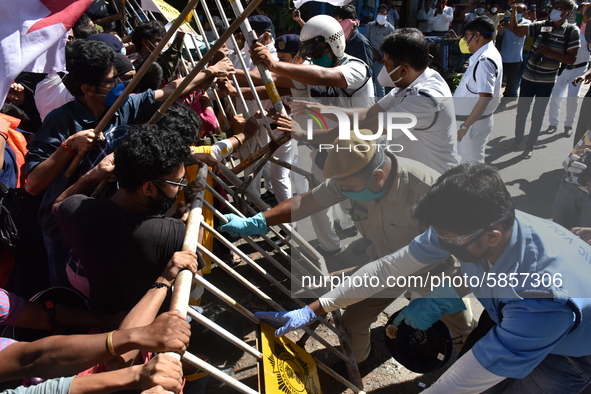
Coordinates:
[309,74]
[223,68]
[368,118]
[42,176]
[257,80]
[162,370]
[67,355]
[317,308]
[517,29]
[296,208]
[89,181]
[144,312]
[567,58]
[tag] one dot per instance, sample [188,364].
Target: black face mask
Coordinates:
[162,204]
[461,252]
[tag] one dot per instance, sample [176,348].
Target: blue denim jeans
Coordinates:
[572,206]
[527,92]
[555,374]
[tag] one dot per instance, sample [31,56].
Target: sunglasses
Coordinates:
[464,239]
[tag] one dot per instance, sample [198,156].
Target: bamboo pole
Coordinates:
[206,58]
[133,83]
[184,279]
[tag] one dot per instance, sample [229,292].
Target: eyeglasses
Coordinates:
[182,184]
[464,239]
[115,80]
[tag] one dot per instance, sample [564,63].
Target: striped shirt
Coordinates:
[543,69]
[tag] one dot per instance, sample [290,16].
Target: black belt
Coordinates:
[573,66]
[462,118]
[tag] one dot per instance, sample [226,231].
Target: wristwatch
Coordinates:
[463,126]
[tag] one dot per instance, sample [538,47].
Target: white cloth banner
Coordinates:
[33,36]
[338,3]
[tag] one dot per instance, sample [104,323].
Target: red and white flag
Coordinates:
[33,36]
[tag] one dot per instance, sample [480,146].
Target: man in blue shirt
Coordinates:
[92,79]
[531,275]
[512,52]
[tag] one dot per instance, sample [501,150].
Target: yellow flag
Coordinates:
[287,368]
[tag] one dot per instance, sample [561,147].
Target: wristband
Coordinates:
[51,314]
[237,139]
[110,343]
[159,285]
[68,149]
[4,134]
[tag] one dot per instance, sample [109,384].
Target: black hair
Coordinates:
[219,25]
[84,31]
[147,152]
[87,62]
[466,198]
[152,79]
[183,120]
[146,30]
[83,28]
[483,25]
[82,21]
[383,6]
[348,11]
[14,111]
[567,4]
[407,45]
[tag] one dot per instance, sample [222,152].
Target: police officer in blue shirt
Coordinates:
[531,275]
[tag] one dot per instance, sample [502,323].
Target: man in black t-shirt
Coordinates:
[123,243]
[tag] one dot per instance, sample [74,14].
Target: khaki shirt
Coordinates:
[387,222]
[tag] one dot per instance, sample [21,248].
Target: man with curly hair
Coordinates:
[136,238]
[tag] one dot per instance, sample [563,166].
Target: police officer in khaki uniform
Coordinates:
[382,188]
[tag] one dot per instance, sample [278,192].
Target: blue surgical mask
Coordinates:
[479,11]
[367,195]
[555,15]
[519,16]
[323,61]
[114,94]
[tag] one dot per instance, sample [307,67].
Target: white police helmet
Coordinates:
[317,31]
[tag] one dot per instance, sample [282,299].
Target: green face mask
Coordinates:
[323,61]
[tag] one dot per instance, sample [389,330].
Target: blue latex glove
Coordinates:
[288,321]
[245,226]
[422,313]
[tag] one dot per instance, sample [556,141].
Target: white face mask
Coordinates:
[493,10]
[384,77]
[381,19]
[555,15]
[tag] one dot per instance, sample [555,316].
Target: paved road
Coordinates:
[532,183]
